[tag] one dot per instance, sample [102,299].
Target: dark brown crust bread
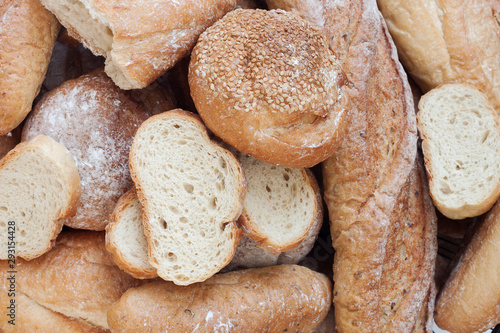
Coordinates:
[28,34]
[267,84]
[284,298]
[97,122]
[382,219]
[71,286]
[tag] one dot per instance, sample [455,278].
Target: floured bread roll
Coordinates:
[141,40]
[267,83]
[96,121]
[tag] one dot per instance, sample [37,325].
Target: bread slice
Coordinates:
[39,185]
[125,238]
[281,205]
[461,145]
[191,190]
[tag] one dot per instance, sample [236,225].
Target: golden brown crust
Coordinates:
[272,299]
[76,279]
[28,35]
[447,41]
[272,94]
[469,300]
[96,121]
[369,183]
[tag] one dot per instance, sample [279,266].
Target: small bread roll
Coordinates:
[28,34]
[267,83]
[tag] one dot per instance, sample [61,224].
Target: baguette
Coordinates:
[76,282]
[140,40]
[470,299]
[446,42]
[39,186]
[283,298]
[461,144]
[96,121]
[382,220]
[28,35]
[191,196]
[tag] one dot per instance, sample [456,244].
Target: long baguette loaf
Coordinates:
[28,34]
[447,41]
[285,298]
[382,220]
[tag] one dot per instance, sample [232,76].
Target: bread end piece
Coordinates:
[461,145]
[39,186]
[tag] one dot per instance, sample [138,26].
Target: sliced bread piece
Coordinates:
[461,145]
[281,205]
[191,190]
[39,185]
[125,238]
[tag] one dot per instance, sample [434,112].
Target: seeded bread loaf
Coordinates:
[39,186]
[76,281]
[140,40]
[285,298]
[470,299]
[191,196]
[447,41]
[96,121]
[267,83]
[28,34]
[461,144]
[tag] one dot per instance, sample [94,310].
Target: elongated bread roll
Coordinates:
[285,298]
[28,34]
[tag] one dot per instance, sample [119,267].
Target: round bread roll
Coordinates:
[267,83]
[96,121]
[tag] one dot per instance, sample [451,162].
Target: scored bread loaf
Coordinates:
[28,34]
[267,83]
[140,40]
[96,121]
[281,206]
[284,298]
[461,145]
[77,279]
[39,186]
[470,298]
[191,190]
[125,238]
[447,41]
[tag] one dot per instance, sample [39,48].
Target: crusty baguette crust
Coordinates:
[28,35]
[469,300]
[61,160]
[76,279]
[370,188]
[273,299]
[144,45]
[230,227]
[129,198]
[447,41]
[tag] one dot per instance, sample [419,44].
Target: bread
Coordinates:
[28,35]
[76,281]
[461,144]
[191,196]
[469,301]
[284,298]
[281,206]
[140,41]
[447,42]
[382,220]
[125,238]
[267,84]
[39,186]
[96,121]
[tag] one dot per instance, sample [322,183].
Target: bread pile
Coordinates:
[122,211]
